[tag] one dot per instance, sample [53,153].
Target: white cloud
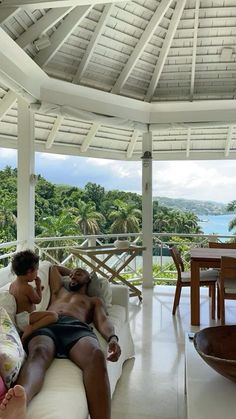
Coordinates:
[54,157]
[208,180]
[119,168]
[203,180]
[99,162]
[7,153]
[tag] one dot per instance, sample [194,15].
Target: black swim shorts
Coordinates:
[64,333]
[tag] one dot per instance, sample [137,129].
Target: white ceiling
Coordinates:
[98,75]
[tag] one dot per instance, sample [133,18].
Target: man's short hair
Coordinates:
[25,261]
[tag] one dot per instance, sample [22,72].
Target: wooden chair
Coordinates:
[226,285]
[222,245]
[207,278]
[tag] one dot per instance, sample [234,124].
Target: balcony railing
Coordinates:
[58,250]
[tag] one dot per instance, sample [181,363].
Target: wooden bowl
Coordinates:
[217,346]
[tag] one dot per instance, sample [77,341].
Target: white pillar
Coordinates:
[26,176]
[147,214]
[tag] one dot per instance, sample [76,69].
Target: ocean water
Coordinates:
[217,224]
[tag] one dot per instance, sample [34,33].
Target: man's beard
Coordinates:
[75,287]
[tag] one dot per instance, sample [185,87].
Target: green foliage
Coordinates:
[126,217]
[94,193]
[8,196]
[231,207]
[87,218]
[168,220]
[64,210]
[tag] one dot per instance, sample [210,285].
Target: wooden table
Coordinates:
[203,258]
[90,256]
[209,395]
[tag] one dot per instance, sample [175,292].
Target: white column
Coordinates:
[147,214]
[26,176]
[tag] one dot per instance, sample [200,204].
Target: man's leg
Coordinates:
[14,404]
[87,354]
[41,351]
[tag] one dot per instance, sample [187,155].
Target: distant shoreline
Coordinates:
[217,224]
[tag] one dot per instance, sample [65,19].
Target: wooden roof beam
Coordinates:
[15,68]
[140,46]
[42,25]
[89,137]
[194,49]
[132,143]
[48,4]
[92,43]
[54,131]
[6,13]
[228,140]
[165,48]
[63,32]
[6,103]
[188,142]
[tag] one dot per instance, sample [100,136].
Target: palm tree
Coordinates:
[87,217]
[57,226]
[126,218]
[232,207]
[161,222]
[190,223]
[8,219]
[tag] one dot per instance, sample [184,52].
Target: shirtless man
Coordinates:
[74,307]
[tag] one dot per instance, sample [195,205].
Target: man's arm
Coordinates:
[106,328]
[63,270]
[55,280]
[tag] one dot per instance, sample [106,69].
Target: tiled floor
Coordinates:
[152,384]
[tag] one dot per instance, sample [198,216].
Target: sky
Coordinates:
[201,180]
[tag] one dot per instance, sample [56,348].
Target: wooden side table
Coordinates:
[90,256]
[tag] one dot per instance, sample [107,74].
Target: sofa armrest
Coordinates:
[120,296]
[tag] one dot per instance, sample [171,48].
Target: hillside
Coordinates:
[198,207]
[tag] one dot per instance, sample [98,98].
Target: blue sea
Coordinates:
[217,224]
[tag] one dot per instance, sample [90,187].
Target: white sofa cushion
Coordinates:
[12,353]
[8,302]
[43,273]
[6,277]
[100,287]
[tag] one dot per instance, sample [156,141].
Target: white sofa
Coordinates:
[63,395]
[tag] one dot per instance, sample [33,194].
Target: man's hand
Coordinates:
[114,350]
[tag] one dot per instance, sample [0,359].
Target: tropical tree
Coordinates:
[87,218]
[126,218]
[94,193]
[161,220]
[231,207]
[189,223]
[57,226]
[8,219]
[169,220]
